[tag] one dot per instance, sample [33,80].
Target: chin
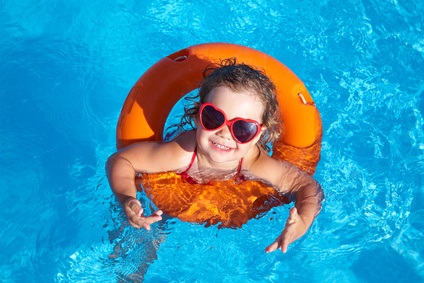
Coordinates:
[219,155]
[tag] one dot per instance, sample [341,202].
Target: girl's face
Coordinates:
[218,146]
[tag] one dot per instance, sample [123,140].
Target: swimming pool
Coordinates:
[66,69]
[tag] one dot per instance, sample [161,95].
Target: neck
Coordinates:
[204,162]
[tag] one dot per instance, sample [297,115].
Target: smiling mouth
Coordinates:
[220,146]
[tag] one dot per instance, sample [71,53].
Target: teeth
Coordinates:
[221,146]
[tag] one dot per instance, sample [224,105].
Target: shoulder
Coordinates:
[273,170]
[158,156]
[263,164]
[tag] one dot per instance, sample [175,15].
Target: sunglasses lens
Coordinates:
[244,131]
[212,118]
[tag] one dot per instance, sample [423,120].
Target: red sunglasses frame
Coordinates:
[228,123]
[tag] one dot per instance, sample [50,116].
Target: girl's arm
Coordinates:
[121,171]
[308,196]
[152,157]
[300,188]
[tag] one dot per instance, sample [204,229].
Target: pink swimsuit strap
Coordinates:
[191,180]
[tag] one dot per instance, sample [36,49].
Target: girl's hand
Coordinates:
[295,228]
[134,214]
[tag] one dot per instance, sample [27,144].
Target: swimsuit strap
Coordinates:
[239,166]
[192,159]
[239,178]
[184,174]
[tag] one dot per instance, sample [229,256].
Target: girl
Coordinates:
[236,117]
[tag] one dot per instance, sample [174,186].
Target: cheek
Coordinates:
[246,146]
[201,134]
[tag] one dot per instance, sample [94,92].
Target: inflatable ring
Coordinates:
[147,107]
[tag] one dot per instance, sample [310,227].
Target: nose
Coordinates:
[224,133]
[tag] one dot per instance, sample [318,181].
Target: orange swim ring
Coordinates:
[151,99]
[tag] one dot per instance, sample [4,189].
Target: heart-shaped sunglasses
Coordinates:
[243,130]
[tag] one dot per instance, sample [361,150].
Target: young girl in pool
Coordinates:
[237,115]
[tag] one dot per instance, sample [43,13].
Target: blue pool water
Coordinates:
[66,68]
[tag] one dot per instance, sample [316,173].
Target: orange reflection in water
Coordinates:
[220,202]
